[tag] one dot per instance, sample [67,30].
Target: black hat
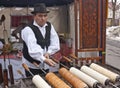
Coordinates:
[39,8]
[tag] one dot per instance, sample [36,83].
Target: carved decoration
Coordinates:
[89,29]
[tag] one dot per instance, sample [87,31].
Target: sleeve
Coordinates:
[34,50]
[54,42]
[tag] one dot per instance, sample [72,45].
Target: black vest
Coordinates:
[43,42]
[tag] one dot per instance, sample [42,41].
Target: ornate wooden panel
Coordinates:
[89,24]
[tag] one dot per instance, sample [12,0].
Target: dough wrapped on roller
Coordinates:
[55,81]
[40,82]
[101,78]
[72,79]
[86,78]
[113,76]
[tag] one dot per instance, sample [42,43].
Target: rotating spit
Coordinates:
[98,76]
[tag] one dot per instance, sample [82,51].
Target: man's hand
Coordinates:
[46,55]
[50,62]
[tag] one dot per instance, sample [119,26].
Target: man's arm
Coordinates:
[54,42]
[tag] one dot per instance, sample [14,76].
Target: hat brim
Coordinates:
[34,12]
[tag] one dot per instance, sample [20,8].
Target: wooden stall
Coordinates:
[90,28]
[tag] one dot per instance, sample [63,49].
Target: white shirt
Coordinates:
[35,50]
[1,46]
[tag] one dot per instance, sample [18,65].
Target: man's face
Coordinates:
[40,18]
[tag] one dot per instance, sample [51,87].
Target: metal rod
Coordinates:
[114,86]
[98,85]
[59,63]
[43,71]
[63,65]
[31,73]
[40,68]
[117,79]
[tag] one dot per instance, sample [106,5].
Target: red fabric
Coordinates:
[57,56]
[16,20]
[65,50]
[11,56]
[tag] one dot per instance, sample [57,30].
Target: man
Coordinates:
[40,41]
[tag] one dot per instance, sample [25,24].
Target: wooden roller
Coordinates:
[55,81]
[113,76]
[5,78]
[10,68]
[20,72]
[86,78]
[5,74]
[67,59]
[37,80]
[101,78]
[1,74]
[72,79]
[59,63]
[27,69]
[40,82]
[73,56]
